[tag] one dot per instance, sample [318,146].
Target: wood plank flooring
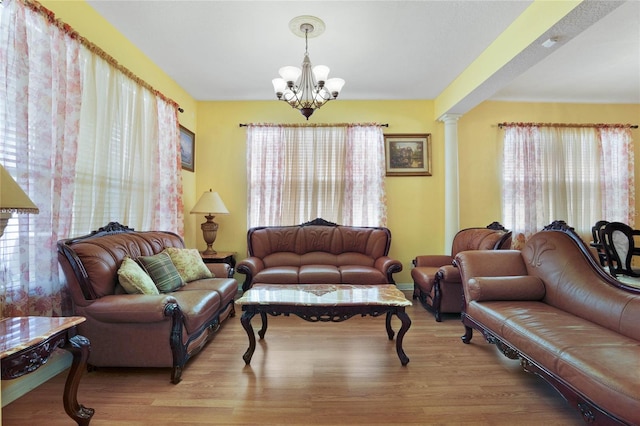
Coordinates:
[317,374]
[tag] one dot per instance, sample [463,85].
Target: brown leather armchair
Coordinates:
[436,281]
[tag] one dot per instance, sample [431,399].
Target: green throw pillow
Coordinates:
[189,264]
[134,279]
[162,271]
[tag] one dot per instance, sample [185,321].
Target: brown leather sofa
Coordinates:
[554,307]
[318,252]
[141,330]
[436,281]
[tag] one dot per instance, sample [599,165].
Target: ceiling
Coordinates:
[230,50]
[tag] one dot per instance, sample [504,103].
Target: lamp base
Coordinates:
[209,233]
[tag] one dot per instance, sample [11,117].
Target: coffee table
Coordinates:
[324,303]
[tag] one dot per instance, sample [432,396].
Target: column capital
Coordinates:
[449,118]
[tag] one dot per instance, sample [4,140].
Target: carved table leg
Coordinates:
[263,330]
[79,347]
[390,331]
[406,323]
[245,320]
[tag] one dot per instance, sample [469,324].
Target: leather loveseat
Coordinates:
[556,309]
[141,330]
[318,252]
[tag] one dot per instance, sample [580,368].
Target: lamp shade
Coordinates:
[12,197]
[210,203]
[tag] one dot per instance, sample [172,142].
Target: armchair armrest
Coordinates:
[123,308]
[434,261]
[526,287]
[388,266]
[450,273]
[250,267]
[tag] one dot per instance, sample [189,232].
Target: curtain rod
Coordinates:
[314,124]
[602,125]
[93,48]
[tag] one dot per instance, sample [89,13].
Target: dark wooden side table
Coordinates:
[228,257]
[26,344]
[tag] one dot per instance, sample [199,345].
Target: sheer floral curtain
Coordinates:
[566,172]
[298,173]
[38,130]
[50,128]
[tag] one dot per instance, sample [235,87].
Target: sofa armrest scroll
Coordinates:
[249,267]
[450,273]
[220,270]
[388,266]
[525,287]
[130,308]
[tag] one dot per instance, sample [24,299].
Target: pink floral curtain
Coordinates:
[576,173]
[38,130]
[43,114]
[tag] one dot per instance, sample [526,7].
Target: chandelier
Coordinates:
[306,89]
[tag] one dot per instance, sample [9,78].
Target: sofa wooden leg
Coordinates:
[468,334]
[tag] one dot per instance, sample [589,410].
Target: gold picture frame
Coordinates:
[408,154]
[187,149]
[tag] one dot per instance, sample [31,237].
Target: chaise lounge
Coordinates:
[555,308]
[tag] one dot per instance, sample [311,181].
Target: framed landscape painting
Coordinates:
[187,148]
[408,154]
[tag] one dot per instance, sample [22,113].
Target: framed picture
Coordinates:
[408,154]
[187,149]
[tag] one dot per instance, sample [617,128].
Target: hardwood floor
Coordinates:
[317,374]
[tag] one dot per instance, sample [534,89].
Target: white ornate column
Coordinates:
[451,195]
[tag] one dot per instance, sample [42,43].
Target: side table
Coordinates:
[228,257]
[26,343]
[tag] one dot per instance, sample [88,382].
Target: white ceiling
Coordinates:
[230,50]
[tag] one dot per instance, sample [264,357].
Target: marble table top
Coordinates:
[323,295]
[18,333]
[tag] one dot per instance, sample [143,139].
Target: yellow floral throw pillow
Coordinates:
[134,279]
[188,263]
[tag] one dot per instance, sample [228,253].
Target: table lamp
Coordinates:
[209,204]
[12,199]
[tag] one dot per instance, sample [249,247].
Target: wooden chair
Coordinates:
[618,240]
[596,232]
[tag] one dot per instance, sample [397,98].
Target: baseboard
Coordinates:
[405,286]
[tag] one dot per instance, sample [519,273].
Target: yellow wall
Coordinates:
[414,216]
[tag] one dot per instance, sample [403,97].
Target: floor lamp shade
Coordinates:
[209,204]
[12,199]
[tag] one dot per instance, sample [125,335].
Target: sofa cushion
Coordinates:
[318,274]
[358,274]
[189,264]
[134,279]
[226,287]
[162,271]
[278,275]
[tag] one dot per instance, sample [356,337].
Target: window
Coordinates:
[298,173]
[579,174]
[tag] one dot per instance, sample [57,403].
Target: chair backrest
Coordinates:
[493,237]
[596,232]
[619,245]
